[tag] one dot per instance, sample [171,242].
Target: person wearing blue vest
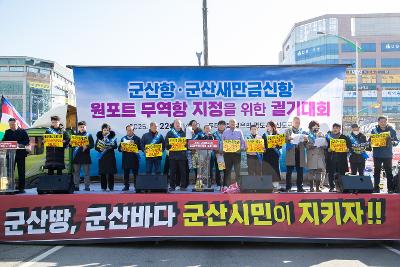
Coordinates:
[153,137]
[81,158]
[336,162]
[177,159]
[254,160]
[358,154]
[295,155]
[55,155]
[383,155]
[106,143]
[218,136]
[130,160]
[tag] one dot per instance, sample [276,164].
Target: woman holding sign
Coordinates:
[338,146]
[82,142]
[316,164]
[130,146]
[56,140]
[272,153]
[106,143]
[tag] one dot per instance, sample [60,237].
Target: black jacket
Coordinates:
[80,156]
[130,160]
[107,161]
[175,155]
[22,138]
[337,161]
[361,139]
[55,155]
[148,137]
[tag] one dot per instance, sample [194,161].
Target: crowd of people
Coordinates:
[309,149]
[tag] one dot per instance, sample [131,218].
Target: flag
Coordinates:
[8,111]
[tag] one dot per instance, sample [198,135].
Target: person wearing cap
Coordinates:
[358,155]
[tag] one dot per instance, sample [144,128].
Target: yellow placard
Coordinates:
[379,140]
[153,150]
[79,140]
[276,140]
[129,147]
[338,145]
[231,146]
[177,144]
[53,140]
[255,145]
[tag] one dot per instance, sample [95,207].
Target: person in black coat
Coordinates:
[130,160]
[177,159]
[55,155]
[106,143]
[18,134]
[81,157]
[153,137]
[336,162]
[270,165]
[358,155]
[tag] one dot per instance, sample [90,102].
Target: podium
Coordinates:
[7,164]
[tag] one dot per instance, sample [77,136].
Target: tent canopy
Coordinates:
[67,114]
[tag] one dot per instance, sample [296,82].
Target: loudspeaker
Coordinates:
[151,183]
[256,184]
[355,184]
[55,184]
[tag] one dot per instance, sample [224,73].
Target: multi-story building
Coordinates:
[333,39]
[35,85]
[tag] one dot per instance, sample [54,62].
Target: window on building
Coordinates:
[33,70]
[17,69]
[44,71]
[3,68]
[11,87]
[368,62]
[349,110]
[391,104]
[346,47]
[367,105]
[390,62]
[368,47]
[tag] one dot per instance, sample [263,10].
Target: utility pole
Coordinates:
[205,33]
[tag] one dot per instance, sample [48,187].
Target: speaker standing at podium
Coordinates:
[18,134]
[55,155]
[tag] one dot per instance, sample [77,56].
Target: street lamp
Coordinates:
[357,48]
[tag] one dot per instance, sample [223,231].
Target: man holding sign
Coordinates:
[175,142]
[56,140]
[255,149]
[338,146]
[154,145]
[81,154]
[233,143]
[129,146]
[296,140]
[382,147]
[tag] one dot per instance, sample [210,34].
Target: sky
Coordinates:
[160,32]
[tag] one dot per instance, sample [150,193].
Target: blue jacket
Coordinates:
[385,152]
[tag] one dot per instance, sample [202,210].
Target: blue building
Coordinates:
[333,39]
